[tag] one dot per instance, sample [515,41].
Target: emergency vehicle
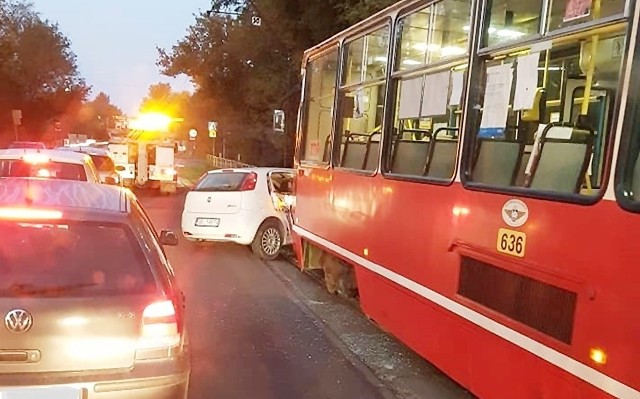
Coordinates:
[145,154]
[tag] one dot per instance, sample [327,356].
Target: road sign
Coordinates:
[278,120]
[193,133]
[213,129]
[256,21]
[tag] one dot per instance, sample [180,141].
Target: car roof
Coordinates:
[258,170]
[53,155]
[64,194]
[86,150]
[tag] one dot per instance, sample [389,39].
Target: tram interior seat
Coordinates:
[444,150]
[410,157]
[562,163]
[497,162]
[521,178]
[372,154]
[326,156]
[361,151]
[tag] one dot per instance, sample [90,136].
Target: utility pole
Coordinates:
[17,120]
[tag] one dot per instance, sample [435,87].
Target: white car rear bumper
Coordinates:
[239,227]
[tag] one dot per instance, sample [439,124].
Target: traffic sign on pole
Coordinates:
[278,120]
[213,129]
[193,133]
[256,21]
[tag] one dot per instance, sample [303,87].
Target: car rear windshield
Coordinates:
[227,181]
[54,170]
[103,163]
[71,259]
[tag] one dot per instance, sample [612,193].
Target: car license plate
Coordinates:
[41,393]
[207,222]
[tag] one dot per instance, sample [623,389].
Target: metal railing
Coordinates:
[223,163]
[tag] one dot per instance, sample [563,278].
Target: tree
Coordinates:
[38,71]
[249,71]
[94,117]
[161,98]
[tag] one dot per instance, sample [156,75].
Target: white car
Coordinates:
[102,159]
[48,164]
[245,206]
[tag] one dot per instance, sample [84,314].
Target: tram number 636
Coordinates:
[511,242]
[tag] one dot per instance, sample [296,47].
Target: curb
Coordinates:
[296,294]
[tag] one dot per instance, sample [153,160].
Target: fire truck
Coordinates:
[144,153]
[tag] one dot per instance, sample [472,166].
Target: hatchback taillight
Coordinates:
[249,182]
[160,326]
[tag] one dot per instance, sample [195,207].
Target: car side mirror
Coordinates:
[110,180]
[168,238]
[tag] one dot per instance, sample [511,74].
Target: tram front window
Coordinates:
[321,74]
[546,116]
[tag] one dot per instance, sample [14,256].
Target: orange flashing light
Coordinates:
[35,158]
[29,214]
[598,356]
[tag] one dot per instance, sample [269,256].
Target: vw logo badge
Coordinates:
[18,321]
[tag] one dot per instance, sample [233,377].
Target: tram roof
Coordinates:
[367,23]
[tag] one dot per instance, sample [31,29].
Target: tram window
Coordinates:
[367,57]
[425,134]
[362,111]
[434,33]
[511,20]
[542,133]
[362,102]
[448,37]
[570,12]
[321,75]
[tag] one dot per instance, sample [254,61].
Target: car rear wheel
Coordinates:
[268,240]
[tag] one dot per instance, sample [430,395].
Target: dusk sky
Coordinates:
[115,41]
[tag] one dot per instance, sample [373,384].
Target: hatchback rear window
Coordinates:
[231,181]
[54,170]
[103,163]
[71,259]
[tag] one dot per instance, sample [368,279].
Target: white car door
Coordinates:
[280,184]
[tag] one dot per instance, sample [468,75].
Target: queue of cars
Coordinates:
[90,304]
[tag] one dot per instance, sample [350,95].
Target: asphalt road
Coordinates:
[250,336]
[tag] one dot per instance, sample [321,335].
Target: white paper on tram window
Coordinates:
[496,96]
[526,82]
[410,96]
[457,84]
[436,94]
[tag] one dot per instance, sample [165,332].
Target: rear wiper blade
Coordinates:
[28,289]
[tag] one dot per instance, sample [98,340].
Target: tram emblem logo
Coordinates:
[515,213]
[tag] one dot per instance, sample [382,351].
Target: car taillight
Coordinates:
[160,326]
[249,182]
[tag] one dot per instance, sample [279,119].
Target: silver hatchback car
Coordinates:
[89,305]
